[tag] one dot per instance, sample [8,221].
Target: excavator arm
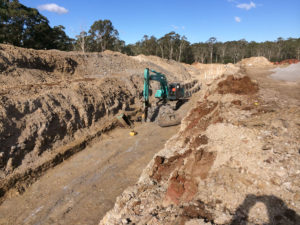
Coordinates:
[171,93]
[161,93]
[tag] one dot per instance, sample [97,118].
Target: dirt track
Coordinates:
[84,187]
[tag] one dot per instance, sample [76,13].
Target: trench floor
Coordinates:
[83,188]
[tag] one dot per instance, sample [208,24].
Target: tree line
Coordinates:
[26,27]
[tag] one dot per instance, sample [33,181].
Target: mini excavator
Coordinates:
[171,94]
[170,97]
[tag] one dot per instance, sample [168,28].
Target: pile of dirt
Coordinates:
[234,161]
[166,66]
[287,61]
[209,72]
[255,61]
[27,66]
[241,86]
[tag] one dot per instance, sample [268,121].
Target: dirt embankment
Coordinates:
[256,62]
[53,103]
[234,161]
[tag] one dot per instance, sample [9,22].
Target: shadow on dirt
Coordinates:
[278,212]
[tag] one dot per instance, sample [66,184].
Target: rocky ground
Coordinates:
[235,159]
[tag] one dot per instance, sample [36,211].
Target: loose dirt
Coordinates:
[235,159]
[53,105]
[255,61]
[237,86]
[84,187]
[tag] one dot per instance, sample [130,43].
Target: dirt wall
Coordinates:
[53,102]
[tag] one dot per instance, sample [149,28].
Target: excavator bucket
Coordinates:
[168,120]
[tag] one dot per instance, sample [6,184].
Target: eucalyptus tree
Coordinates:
[211,41]
[103,35]
[26,27]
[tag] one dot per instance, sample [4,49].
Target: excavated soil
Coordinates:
[235,159]
[241,86]
[256,62]
[54,103]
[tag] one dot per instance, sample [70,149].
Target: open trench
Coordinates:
[63,158]
[83,188]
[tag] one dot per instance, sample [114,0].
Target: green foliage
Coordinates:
[60,39]
[176,47]
[26,27]
[103,35]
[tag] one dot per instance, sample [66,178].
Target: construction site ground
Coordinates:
[64,158]
[83,188]
[64,105]
[234,161]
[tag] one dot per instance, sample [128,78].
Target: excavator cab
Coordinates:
[176,92]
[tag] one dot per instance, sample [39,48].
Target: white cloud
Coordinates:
[237,19]
[178,27]
[53,8]
[246,6]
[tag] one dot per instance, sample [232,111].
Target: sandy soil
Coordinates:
[279,88]
[54,103]
[234,161]
[83,188]
[65,103]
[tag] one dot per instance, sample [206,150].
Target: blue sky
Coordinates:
[198,20]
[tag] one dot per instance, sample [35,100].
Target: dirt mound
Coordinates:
[240,86]
[168,67]
[287,61]
[209,72]
[27,66]
[255,61]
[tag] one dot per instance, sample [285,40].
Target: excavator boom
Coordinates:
[166,92]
